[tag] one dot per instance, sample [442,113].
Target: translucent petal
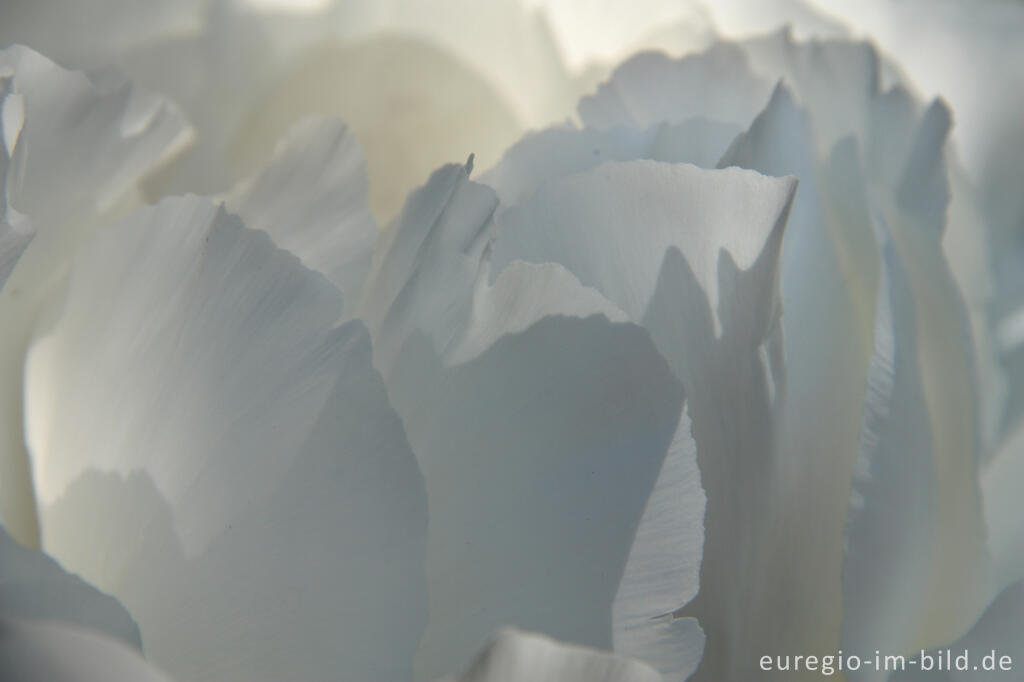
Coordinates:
[313,201]
[718,84]
[80,151]
[834,79]
[411,104]
[212,450]
[693,256]
[892,529]
[525,406]
[549,154]
[514,656]
[799,554]
[915,212]
[578,221]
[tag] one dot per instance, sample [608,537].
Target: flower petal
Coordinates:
[578,222]
[80,151]
[994,646]
[525,406]
[514,656]
[834,79]
[915,213]
[15,232]
[544,156]
[410,102]
[213,451]
[692,255]
[56,652]
[892,528]
[650,88]
[312,201]
[1000,485]
[34,586]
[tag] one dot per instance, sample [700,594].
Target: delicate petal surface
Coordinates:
[34,586]
[57,652]
[994,646]
[514,656]
[650,88]
[78,149]
[198,425]
[892,531]
[693,256]
[560,429]
[313,201]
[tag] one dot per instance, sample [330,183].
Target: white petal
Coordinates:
[1000,485]
[797,552]
[424,269]
[994,646]
[88,145]
[563,150]
[56,652]
[312,201]
[514,656]
[663,568]
[650,88]
[693,256]
[529,409]
[916,215]
[411,103]
[79,154]
[213,451]
[612,226]
[606,32]
[834,79]
[892,528]
[34,586]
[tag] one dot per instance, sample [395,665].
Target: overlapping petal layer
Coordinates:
[79,150]
[212,450]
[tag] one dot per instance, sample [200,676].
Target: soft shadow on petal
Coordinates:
[892,527]
[211,449]
[34,586]
[560,429]
[81,150]
[650,88]
[914,209]
[58,652]
[692,255]
[814,440]
[312,199]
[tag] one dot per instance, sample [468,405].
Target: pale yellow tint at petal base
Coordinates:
[412,106]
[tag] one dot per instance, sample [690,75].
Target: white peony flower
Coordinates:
[631,387]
